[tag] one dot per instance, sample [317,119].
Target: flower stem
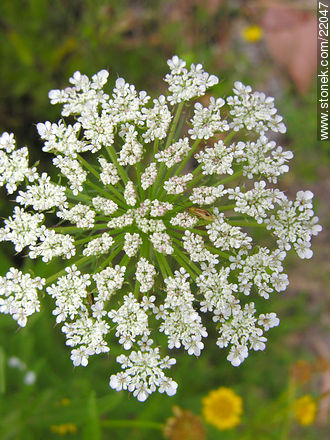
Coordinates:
[107,195]
[110,257]
[156,185]
[166,265]
[226,207]
[229,136]
[216,251]
[138,183]
[113,157]
[89,167]
[161,265]
[78,263]
[188,264]
[80,197]
[72,229]
[246,224]
[288,419]
[185,160]
[195,180]
[156,144]
[132,424]
[197,169]
[174,124]
[87,239]
[230,178]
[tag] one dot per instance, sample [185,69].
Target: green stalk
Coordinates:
[132,424]
[230,178]
[195,231]
[288,419]
[197,169]
[166,265]
[161,265]
[78,263]
[174,124]
[107,195]
[194,181]
[113,157]
[189,265]
[156,184]
[246,224]
[162,192]
[81,197]
[229,137]
[138,175]
[87,239]
[216,251]
[89,167]
[110,258]
[155,150]
[136,289]
[72,229]
[226,207]
[124,260]
[185,160]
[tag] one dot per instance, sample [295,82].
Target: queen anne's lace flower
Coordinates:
[145,239]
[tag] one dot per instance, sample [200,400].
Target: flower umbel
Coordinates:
[147,243]
[223,408]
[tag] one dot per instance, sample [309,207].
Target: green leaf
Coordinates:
[2,371]
[91,429]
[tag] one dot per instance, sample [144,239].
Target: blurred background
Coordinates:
[270,45]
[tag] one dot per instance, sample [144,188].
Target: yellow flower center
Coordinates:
[222,408]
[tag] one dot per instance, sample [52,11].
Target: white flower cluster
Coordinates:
[263,158]
[207,195]
[22,229]
[157,120]
[253,111]
[182,324]
[225,236]
[186,84]
[217,159]
[88,334]
[100,245]
[174,153]
[207,120]
[150,245]
[42,196]
[19,296]
[80,215]
[14,164]
[177,184]
[143,373]
[52,245]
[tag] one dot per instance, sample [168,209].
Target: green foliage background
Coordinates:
[41,44]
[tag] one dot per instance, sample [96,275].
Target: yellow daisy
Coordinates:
[64,429]
[305,409]
[222,408]
[252,33]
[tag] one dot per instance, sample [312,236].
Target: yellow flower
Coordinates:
[222,408]
[65,401]
[252,33]
[65,428]
[305,410]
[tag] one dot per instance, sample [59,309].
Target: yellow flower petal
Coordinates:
[305,409]
[222,408]
[252,33]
